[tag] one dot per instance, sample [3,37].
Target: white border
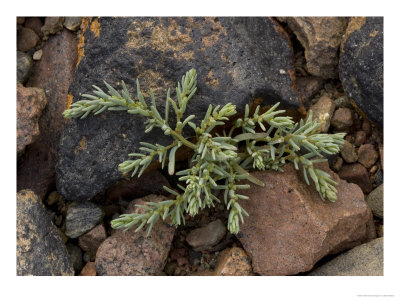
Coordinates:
[292,287]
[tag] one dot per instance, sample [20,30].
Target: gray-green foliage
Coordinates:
[220,162]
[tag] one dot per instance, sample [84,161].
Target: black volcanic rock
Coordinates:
[237,60]
[361,65]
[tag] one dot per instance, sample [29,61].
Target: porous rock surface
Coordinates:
[237,60]
[128,253]
[40,248]
[361,65]
[30,105]
[290,228]
[363,260]
[233,262]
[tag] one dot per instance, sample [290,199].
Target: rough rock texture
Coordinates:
[26,39]
[367,155]
[323,110]
[348,152]
[237,60]
[291,228]
[53,73]
[89,269]
[52,25]
[375,201]
[206,236]
[343,102]
[24,66]
[361,65]
[363,260]
[358,174]
[75,254]
[40,249]
[321,38]
[30,104]
[147,184]
[360,138]
[35,24]
[82,217]
[233,262]
[308,87]
[128,253]
[91,241]
[72,23]
[342,119]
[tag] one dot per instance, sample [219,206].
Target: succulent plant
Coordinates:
[220,162]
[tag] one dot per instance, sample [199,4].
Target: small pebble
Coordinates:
[38,54]
[342,119]
[367,155]
[360,138]
[348,152]
[373,169]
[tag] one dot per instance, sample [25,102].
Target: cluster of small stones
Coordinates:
[32,32]
[360,160]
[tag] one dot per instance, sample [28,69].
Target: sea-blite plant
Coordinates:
[220,162]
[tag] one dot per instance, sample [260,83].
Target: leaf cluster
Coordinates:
[220,162]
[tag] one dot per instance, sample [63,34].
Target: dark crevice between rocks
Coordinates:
[321,262]
[298,49]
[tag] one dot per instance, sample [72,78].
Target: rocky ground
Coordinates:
[67,173]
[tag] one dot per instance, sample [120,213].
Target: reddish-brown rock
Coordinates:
[367,155]
[30,104]
[321,38]
[360,138]
[381,155]
[358,174]
[53,73]
[233,262]
[89,269]
[323,111]
[26,39]
[132,253]
[342,118]
[90,241]
[290,228]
